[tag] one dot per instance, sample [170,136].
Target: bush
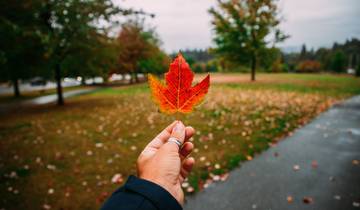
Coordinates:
[201,67]
[308,66]
[277,66]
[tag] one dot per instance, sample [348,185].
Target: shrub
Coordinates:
[277,66]
[308,66]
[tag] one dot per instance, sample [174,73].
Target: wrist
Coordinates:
[169,187]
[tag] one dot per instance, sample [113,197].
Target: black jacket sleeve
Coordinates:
[140,194]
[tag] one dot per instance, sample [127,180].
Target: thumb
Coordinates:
[178,132]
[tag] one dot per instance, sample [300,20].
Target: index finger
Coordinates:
[162,138]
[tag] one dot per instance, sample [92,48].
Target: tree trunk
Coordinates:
[83,83]
[16,87]
[132,79]
[253,67]
[137,80]
[123,79]
[60,100]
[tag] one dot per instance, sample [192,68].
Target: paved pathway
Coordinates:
[53,97]
[332,140]
[42,100]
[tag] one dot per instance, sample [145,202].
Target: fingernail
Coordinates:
[179,127]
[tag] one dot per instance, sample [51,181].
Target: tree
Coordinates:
[241,27]
[97,59]
[338,57]
[308,66]
[338,63]
[269,57]
[277,67]
[72,29]
[155,60]
[139,50]
[156,63]
[21,50]
[303,53]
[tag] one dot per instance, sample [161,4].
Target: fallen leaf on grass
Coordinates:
[51,191]
[217,166]
[46,206]
[117,179]
[101,198]
[216,178]
[202,158]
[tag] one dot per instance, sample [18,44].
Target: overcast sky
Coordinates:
[185,24]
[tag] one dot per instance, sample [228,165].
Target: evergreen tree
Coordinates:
[338,62]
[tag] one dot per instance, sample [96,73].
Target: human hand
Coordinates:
[163,163]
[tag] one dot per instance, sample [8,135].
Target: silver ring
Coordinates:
[175,140]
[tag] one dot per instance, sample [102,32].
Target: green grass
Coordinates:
[237,121]
[307,83]
[327,84]
[134,89]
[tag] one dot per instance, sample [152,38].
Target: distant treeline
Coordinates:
[200,60]
[339,58]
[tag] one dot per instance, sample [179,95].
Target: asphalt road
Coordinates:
[320,163]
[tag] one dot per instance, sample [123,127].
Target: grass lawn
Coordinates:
[65,157]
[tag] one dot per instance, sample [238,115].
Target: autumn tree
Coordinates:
[241,28]
[139,50]
[308,66]
[155,61]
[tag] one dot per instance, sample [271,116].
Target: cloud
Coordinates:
[186,24]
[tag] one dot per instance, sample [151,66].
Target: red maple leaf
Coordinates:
[178,95]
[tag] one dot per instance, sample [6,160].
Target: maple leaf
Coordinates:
[178,95]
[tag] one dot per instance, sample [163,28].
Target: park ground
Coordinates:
[73,157]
